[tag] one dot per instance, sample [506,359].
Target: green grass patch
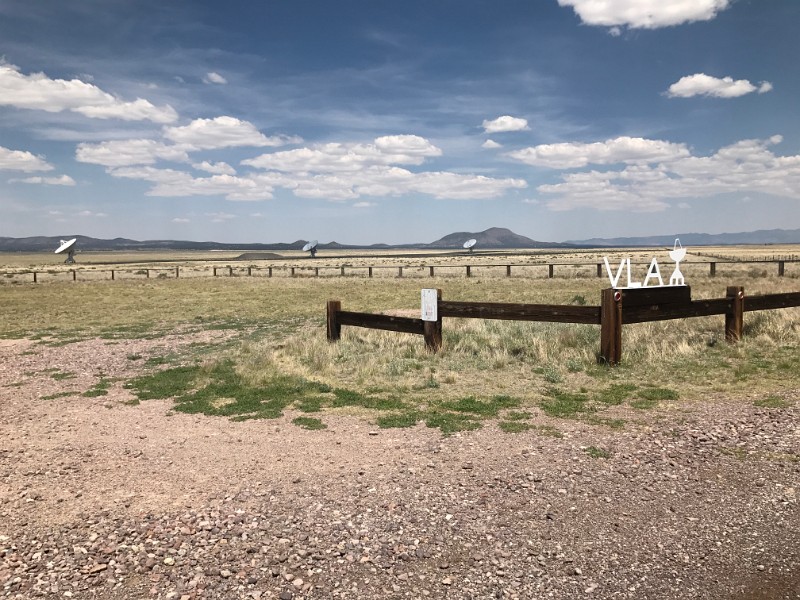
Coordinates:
[565,404]
[657,394]
[596,452]
[60,395]
[309,423]
[643,404]
[772,402]
[62,375]
[548,431]
[398,420]
[616,394]
[517,415]
[99,389]
[514,426]
[449,423]
[483,408]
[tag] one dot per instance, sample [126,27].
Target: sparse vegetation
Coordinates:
[275,354]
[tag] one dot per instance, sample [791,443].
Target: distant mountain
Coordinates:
[762,236]
[495,237]
[43,243]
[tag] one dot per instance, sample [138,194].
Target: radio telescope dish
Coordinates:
[311,247]
[67,246]
[470,244]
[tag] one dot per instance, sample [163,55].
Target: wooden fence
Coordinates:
[617,307]
[507,270]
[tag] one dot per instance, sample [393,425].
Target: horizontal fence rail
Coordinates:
[549,270]
[521,312]
[617,307]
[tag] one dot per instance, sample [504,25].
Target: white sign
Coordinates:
[678,253]
[430,305]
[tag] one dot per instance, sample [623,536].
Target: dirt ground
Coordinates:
[100,498]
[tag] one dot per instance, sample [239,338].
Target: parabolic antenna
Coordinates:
[311,247]
[470,244]
[67,246]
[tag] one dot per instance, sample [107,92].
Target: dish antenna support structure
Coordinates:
[470,244]
[311,247]
[67,246]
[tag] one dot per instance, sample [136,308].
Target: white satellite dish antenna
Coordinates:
[470,244]
[67,246]
[311,247]
[678,253]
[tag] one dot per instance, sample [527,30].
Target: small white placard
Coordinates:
[430,305]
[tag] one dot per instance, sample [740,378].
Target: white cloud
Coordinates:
[533,201]
[701,84]
[745,167]
[505,123]
[644,14]
[491,145]
[89,213]
[335,172]
[223,132]
[218,168]
[364,205]
[336,157]
[180,220]
[63,180]
[220,217]
[39,92]
[213,77]
[619,150]
[121,153]
[21,160]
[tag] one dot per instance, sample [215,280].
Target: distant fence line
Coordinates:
[363,271]
[617,306]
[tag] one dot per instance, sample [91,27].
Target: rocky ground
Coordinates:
[100,499]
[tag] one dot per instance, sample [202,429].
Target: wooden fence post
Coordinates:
[781,268]
[74,275]
[432,331]
[230,271]
[611,326]
[292,271]
[469,271]
[269,271]
[249,271]
[334,327]
[550,269]
[112,274]
[508,270]
[177,272]
[399,271]
[712,269]
[34,277]
[342,271]
[734,318]
[215,271]
[431,271]
[316,271]
[599,269]
[369,270]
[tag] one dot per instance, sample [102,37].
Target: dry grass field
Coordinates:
[199,437]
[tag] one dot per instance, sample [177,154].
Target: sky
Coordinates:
[388,121]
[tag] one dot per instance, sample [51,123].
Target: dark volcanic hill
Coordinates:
[494,237]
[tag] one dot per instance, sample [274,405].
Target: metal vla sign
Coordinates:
[677,254]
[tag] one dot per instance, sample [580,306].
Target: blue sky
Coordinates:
[368,121]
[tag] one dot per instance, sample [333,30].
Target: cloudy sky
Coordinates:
[367,121]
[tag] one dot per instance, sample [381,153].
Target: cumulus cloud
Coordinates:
[491,145]
[334,171]
[644,14]
[337,157]
[21,160]
[364,205]
[218,168]
[216,78]
[223,132]
[505,123]
[120,153]
[618,150]
[181,220]
[39,92]
[63,180]
[748,166]
[701,84]
[89,213]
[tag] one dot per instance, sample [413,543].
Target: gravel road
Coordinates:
[101,499]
